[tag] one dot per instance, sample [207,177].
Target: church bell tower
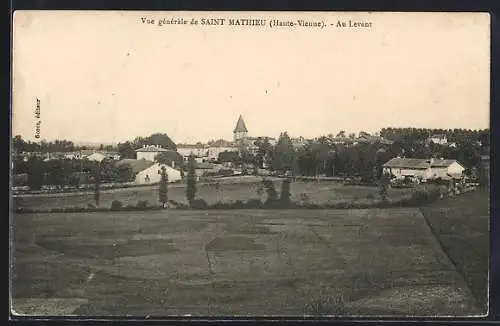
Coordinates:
[240,131]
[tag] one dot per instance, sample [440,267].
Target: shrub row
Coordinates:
[416,198]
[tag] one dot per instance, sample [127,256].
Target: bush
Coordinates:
[130,207]
[272,195]
[285,192]
[421,196]
[198,204]
[253,203]
[221,205]
[370,196]
[142,204]
[239,204]
[116,205]
[90,206]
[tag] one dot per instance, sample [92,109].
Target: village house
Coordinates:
[149,172]
[149,152]
[424,169]
[439,139]
[96,157]
[213,151]
[210,152]
[199,151]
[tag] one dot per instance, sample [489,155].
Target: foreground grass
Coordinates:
[257,262]
[462,226]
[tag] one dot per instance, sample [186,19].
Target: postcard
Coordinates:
[250,164]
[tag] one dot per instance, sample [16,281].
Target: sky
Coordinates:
[107,77]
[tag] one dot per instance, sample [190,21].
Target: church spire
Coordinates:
[240,125]
[240,131]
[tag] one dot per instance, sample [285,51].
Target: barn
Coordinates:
[424,169]
[148,172]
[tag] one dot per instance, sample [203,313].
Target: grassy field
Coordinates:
[462,226]
[316,192]
[257,262]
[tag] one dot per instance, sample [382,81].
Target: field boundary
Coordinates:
[438,242]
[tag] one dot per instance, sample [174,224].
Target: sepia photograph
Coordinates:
[249,164]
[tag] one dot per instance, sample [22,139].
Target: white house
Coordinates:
[152,174]
[148,172]
[444,169]
[149,153]
[97,157]
[200,152]
[425,169]
[214,151]
[440,139]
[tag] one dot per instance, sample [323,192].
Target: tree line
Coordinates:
[61,173]
[456,135]
[323,157]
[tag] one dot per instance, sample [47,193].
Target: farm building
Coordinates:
[149,153]
[199,151]
[97,157]
[425,169]
[440,139]
[148,172]
[213,152]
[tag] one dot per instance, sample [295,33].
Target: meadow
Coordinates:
[239,262]
[322,192]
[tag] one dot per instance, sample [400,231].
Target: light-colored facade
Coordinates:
[213,152]
[200,152]
[152,174]
[425,169]
[439,139]
[149,153]
[96,157]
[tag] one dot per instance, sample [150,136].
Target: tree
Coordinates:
[126,150]
[170,158]
[383,185]
[285,192]
[191,180]
[58,173]
[156,139]
[35,173]
[341,134]
[282,156]
[264,148]
[363,134]
[97,189]
[227,156]
[125,173]
[163,192]
[272,195]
